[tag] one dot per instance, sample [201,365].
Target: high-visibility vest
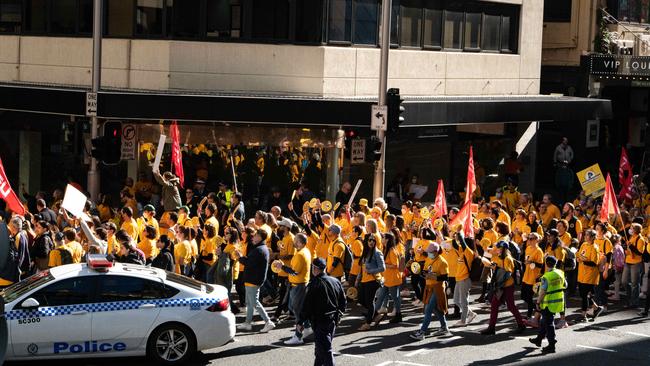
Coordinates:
[554,296]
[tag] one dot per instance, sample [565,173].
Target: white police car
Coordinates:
[106,309]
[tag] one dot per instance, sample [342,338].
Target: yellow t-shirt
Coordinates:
[552,212]
[54,259]
[524,229]
[336,250]
[639,243]
[392,276]
[112,246]
[182,254]
[565,239]
[507,264]
[77,251]
[464,260]
[367,277]
[605,246]
[437,266]
[357,249]
[300,263]
[131,228]
[209,246]
[230,250]
[148,247]
[142,223]
[533,254]
[587,274]
[451,256]
[419,247]
[214,222]
[312,245]
[286,249]
[322,248]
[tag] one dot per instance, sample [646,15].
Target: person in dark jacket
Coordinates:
[46,213]
[256,264]
[165,259]
[127,252]
[43,244]
[324,304]
[18,254]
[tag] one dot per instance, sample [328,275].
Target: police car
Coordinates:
[106,309]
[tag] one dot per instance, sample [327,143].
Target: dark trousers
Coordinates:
[508,297]
[647,296]
[586,293]
[241,290]
[572,281]
[547,327]
[284,296]
[323,335]
[418,283]
[367,292]
[527,295]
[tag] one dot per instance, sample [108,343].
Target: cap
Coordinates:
[187,209]
[286,223]
[200,181]
[376,210]
[335,229]
[551,261]
[433,248]
[502,244]
[319,263]
[363,202]
[222,184]
[59,236]
[553,232]
[149,208]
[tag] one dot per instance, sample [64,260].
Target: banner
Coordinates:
[471,177]
[8,195]
[464,216]
[75,202]
[440,204]
[177,156]
[592,181]
[610,206]
[625,177]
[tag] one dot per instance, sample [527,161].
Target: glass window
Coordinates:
[309,20]
[18,289]
[270,19]
[453,30]
[491,32]
[149,17]
[433,24]
[506,44]
[645,9]
[63,16]
[394,23]
[185,18]
[366,21]
[86,16]
[36,16]
[125,288]
[557,11]
[11,16]
[219,13]
[634,15]
[411,23]
[119,18]
[472,30]
[72,291]
[339,26]
[185,281]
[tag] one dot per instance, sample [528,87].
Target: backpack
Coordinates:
[66,256]
[348,258]
[222,274]
[619,258]
[645,254]
[569,260]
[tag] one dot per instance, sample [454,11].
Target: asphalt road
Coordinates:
[617,337]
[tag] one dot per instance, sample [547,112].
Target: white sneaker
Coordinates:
[382,310]
[471,317]
[307,332]
[269,326]
[392,313]
[294,341]
[441,332]
[460,324]
[417,303]
[245,326]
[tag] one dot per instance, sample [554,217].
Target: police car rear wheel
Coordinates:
[171,344]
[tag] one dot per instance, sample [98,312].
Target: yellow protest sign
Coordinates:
[592,181]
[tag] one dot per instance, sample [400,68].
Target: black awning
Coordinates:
[23,98]
[479,109]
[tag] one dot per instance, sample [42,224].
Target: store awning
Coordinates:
[436,111]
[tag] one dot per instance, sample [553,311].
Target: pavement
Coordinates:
[618,337]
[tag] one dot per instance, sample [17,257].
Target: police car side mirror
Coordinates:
[30,303]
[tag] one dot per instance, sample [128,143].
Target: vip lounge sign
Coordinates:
[620,65]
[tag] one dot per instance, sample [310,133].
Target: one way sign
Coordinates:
[91,104]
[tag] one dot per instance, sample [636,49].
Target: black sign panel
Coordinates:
[620,65]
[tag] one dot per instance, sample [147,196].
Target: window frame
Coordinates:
[479,41]
[442,28]
[328,14]
[499,48]
[462,32]
[92,298]
[22,21]
[421,30]
[122,277]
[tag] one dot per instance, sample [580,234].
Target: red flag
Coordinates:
[610,206]
[464,216]
[471,177]
[440,204]
[625,177]
[177,157]
[8,195]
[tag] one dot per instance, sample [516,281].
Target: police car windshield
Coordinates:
[19,289]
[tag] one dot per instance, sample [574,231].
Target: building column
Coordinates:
[333,179]
[29,161]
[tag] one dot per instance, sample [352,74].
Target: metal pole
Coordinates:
[380,170]
[93,173]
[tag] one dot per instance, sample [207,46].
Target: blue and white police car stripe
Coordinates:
[193,303]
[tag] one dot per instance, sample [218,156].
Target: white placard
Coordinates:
[129,141]
[91,104]
[354,193]
[357,151]
[75,201]
[159,151]
[378,117]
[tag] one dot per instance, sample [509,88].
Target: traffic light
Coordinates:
[98,149]
[349,136]
[112,142]
[373,149]
[395,109]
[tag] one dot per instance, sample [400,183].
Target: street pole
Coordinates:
[380,168]
[93,173]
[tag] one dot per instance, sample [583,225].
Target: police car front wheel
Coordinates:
[171,344]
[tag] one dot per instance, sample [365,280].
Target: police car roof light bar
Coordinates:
[99,262]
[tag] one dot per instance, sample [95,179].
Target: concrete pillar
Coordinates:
[333,180]
[29,161]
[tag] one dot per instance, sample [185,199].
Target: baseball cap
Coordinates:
[335,229]
[551,261]
[286,223]
[149,208]
[363,202]
[319,263]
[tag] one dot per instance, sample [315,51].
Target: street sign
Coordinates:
[129,142]
[378,116]
[358,151]
[91,104]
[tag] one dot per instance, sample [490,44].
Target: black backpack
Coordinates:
[645,255]
[66,256]
[569,260]
[348,258]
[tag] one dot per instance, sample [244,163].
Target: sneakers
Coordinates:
[393,313]
[460,324]
[307,332]
[536,341]
[597,311]
[269,326]
[382,310]
[470,317]
[245,327]
[561,324]
[418,336]
[643,313]
[364,327]
[396,319]
[488,331]
[441,332]
[550,348]
[294,341]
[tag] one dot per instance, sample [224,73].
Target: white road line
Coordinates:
[522,338]
[638,334]
[596,348]
[410,363]
[385,363]
[286,347]
[416,352]
[347,355]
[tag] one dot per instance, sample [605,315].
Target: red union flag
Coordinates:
[441,201]
[471,178]
[610,206]
[464,216]
[625,177]
[8,195]
[177,156]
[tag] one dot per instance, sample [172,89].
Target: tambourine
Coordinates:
[274,264]
[424,212]
[305,207]
[457,228]
[325,206]
[336,206]
[438,224]
[313,203]
[416,268]
[352,293]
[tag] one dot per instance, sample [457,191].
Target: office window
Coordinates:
[220,22]
[394,22]
[119,16]
[558,11]
[309,21]
[149,17]
[85,16]
[36,16]
[11,16]
[270,19]
[366,16]
[633,11]
[411,23]
[507,40]
[491,32]
[645,10]
[62,16]
[185,18]
[433,24]
[472,31]
[339,26]
[453,31]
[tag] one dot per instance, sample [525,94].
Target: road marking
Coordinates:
[347,355]
[522,338]
[385,363]
[287,347]
[638,334]
[596,348]
[416,352]
[410,363]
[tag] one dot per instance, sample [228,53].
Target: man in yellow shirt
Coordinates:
[551,212]
[147,243]
[128,223]
[633,264]
[61,254]
[148,218]
[534,262]
[336,252]
[75,248]
[285,254]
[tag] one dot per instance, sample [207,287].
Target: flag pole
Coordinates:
[232,166]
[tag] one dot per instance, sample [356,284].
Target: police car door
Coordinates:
[61,322]
[130,305]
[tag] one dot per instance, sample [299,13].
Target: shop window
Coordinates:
[411,23]
[62,16]
[491,32]
[36,16]
[472,31]
[433,24]
[366,18]
[85,16]
[309,21]
[185,18]
[339,27]
[223,18]
[270,19]
[453,29]
[558,11]
[11,16]
[119,17]
[149,17]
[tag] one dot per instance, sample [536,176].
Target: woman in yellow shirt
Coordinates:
[588,257]
[533,264]
[520,227]
[392,281]
[633,264]
[147,243]
[182,251]
[356,247]
[372,267]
